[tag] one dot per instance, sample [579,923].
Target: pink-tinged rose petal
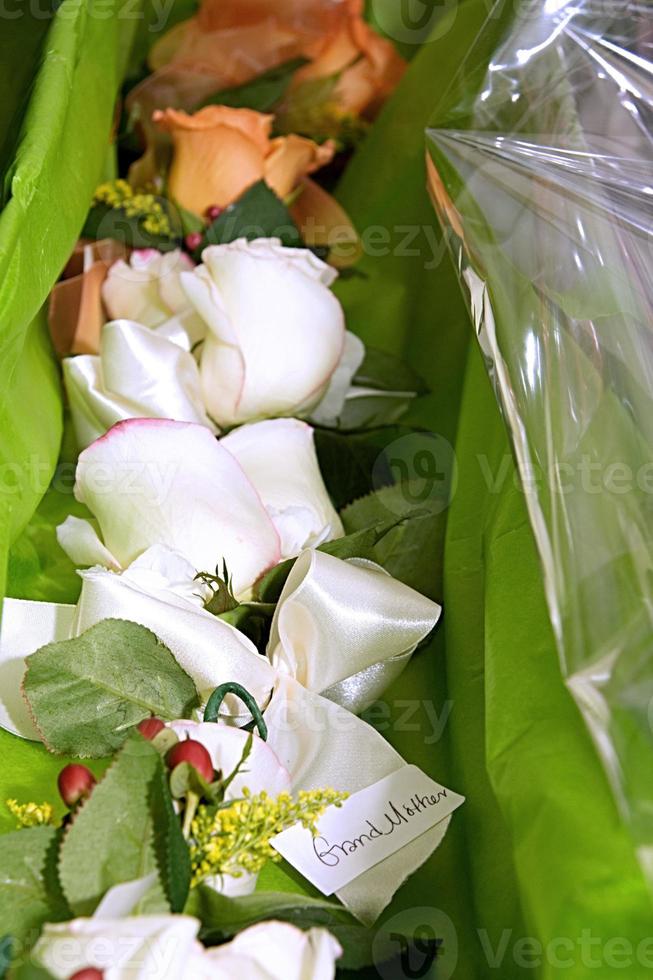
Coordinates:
[153,481]
[294,493]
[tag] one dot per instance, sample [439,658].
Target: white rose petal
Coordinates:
[148,288]
[150,481]
[279,458]
[166,948]
[276,331]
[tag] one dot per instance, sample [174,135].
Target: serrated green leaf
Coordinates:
[258,213]
[412,547]
[86,694]
[29,892]
[111,839]
[262,93]
[170,847]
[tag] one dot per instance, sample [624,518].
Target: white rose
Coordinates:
[276,332]
[151,481]
[253,498]
[165,947]
[279,458]
[148,288]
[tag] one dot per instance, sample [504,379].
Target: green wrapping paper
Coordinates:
[538,850]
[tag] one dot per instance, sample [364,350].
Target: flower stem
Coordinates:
[192,802]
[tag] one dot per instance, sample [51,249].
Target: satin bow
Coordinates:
[335,622]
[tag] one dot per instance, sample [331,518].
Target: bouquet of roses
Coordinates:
[225,546]
[242,570]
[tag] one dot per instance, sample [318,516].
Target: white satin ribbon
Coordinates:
[317,741]
[25,627]
[139,373]
[150,372]
[347,627]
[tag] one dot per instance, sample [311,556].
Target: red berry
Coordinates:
[88,973]
[195,755]
[194,240]
[150,728]
[75,783]
[214,212]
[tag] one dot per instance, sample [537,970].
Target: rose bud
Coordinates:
[195,755]
[88,973]
[75,783]
[150,728]
[193,241]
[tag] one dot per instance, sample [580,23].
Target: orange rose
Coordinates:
[368,66]
[240,39]
[230,42]
[219,152]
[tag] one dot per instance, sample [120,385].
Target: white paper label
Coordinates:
[368,827]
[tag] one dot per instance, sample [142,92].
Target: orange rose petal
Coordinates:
[324,222]
[236,56]
[214,160]
[255,125]
[291,158]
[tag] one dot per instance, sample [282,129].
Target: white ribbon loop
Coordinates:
[347,623]
[139,373]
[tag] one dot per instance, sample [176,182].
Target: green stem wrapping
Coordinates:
[214,704]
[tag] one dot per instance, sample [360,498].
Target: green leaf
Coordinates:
[29,891]
[387,372]
[105,222]
[261,94]
[38,566]
[223,917]
[259,213]
[368,410]
[383,390]
[86,694]
[189,222]
[111,839]
[185,779]
[360,544]
[355,463]
[29,971]
[170,847]
[412,546]
[6,947]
